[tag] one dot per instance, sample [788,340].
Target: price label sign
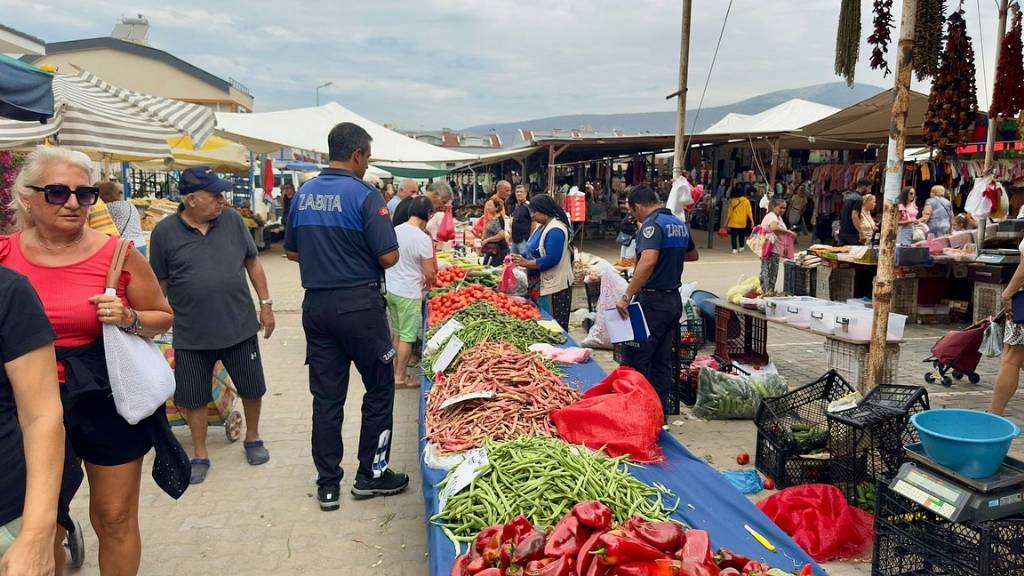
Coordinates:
[451,350]
[450,327]
[464,474]
[482,395]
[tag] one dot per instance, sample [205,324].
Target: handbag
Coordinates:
[140,379]
[624,239]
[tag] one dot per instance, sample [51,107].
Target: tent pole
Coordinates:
[993,121]
[126,184]
[252,175]
[893,182]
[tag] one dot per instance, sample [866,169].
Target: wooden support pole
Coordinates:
[553,154]
[774,169]
[993,120]
[893,182]
[684,60]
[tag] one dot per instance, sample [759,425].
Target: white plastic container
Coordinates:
[823,318]
[775,306]
[856,325]
[859,303]
[798,312]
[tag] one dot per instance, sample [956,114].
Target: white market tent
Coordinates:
[862,124]
[307,129]
[786,117]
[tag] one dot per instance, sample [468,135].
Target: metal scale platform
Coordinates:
[956,497]
[998,256]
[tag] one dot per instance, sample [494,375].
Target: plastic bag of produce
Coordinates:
[446,231]
[992,342]
[722,396]
[746,286]
[820,521]
[613,286]
[622,414]
[508,277]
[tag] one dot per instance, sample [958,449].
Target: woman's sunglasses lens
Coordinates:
[57,194]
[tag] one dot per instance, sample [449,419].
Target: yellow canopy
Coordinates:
[219,153]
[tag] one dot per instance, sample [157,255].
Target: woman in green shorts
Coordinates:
[408,281]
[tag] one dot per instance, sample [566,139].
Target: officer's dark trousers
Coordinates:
[653,358]
[345,326]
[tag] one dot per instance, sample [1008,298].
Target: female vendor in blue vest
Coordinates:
[548,259]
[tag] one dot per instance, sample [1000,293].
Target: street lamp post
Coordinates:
[324,85]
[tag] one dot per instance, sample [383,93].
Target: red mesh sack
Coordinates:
[621,414]
[820,521]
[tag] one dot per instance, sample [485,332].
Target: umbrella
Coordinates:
[220,154]
[26,92]
[94,116]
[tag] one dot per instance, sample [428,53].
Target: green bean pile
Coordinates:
[482,322]
[543,478]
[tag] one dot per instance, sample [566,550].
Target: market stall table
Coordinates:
[707,500]
[741,335]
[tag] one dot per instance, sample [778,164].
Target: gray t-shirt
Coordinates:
[206,280]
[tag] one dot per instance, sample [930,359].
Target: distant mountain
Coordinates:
[833,94]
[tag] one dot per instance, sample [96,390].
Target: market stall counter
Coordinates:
[707,500]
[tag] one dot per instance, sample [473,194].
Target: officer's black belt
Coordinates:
[660,290]
[372,285]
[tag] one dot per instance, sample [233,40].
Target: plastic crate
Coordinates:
[778,451]
[852,362]
[866,442]
[740,338]
[988,300]
[904,297]
[834,283]
[911,540]
[799,281]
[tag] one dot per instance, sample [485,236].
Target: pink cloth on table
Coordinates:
[570,355]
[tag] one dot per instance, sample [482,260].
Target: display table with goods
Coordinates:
[741,333]
[493,402]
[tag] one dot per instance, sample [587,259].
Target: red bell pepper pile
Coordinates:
[585,543]
[444,305]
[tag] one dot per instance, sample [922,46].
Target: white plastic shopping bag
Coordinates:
[680,198]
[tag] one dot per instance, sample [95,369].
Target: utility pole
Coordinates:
[893,181]
[684,61]
[993,121]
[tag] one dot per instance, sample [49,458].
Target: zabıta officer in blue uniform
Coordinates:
[339,231]
[663,244]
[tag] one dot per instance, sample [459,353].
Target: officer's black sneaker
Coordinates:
[389,484]
[328,497]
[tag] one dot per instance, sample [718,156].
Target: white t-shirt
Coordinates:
[405,278]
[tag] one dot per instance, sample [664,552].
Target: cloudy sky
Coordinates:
[455,63]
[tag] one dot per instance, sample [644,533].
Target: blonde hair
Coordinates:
[939,191]
[866,198]
[38,161]
[110,191]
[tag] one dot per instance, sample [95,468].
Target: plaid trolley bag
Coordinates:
[221,411]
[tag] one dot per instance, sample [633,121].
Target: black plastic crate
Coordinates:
[799,281]
[910,539]
[686,382]
[784,425]
[907,399]
[788,469]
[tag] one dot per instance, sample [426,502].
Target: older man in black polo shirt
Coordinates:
[201,256]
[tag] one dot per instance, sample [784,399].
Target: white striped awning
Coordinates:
[95,116]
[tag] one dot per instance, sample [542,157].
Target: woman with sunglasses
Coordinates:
[67,264]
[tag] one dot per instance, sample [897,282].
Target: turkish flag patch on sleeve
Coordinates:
[383,211]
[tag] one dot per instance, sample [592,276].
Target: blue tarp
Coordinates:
[26,92]
[716,506]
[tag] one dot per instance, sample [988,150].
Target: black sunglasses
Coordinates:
[59,194]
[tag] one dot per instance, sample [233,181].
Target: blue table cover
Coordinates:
[716,506]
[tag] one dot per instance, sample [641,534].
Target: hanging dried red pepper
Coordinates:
[953,102]
[882,36]
[928,37]
[1008,96]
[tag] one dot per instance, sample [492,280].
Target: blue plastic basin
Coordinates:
[971,442]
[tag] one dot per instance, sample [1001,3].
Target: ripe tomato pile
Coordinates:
[450,274]
[444,305]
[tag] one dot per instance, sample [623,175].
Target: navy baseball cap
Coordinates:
[202,178]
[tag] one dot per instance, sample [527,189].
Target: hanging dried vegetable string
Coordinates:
[1008,96]
[928,37]
[953,102]
[848,40]
[882,36]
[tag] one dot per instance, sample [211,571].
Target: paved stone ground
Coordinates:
[248,521]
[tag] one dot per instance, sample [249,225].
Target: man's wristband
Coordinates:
[627,298]
[267,302]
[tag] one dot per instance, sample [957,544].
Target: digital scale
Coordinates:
[999,256]
[956,497]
